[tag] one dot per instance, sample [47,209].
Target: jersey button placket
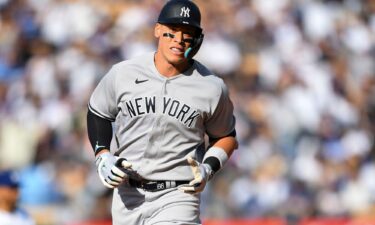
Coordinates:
[159,123]
[156,130]
[164,90]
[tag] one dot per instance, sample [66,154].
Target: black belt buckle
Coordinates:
[151,186]
[154,186]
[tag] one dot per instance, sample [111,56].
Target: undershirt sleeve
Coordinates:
[99,131]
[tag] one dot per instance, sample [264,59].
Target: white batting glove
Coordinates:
[202,173]
[109,169]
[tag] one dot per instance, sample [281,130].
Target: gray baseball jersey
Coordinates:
[159,121]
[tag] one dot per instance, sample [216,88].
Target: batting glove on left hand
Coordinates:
[109,169]
[202,173]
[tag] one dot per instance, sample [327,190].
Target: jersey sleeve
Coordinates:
[222,121]
[103,100]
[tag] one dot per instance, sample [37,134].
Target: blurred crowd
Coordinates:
[301,74]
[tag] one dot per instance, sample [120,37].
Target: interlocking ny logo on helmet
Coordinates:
[185,12]
[181,12]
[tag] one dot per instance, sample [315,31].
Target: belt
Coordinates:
[156,185]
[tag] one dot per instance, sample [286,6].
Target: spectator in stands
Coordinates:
[10,213]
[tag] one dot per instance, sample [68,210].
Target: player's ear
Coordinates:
[157,30]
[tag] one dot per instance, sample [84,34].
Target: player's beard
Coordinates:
[177,62]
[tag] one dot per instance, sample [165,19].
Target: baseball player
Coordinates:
[157,109]
[10,213]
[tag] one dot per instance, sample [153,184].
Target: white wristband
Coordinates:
[218,153]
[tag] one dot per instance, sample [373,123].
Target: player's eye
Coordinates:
[189,40]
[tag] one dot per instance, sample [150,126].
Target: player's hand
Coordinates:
[202,173]
[109,169]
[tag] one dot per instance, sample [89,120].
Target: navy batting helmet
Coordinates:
[183,12]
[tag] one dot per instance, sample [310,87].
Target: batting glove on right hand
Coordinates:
[109,169]
[202,173]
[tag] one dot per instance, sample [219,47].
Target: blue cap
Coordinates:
[9,178]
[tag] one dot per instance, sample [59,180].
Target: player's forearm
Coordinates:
[228,144]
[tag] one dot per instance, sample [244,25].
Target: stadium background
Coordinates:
[301,74]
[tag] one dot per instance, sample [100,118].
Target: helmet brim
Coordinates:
[181,21]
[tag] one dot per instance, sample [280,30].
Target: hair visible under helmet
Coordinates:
[184,12]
